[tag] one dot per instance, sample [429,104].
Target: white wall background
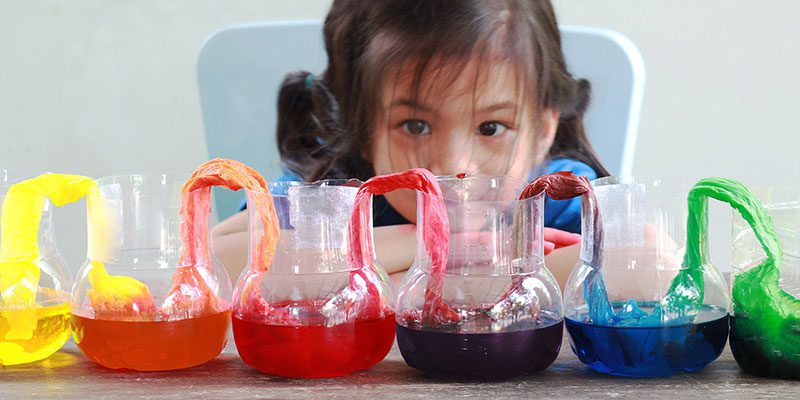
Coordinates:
[107,87]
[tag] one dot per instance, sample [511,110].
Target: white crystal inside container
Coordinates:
[622,210]
[319,214]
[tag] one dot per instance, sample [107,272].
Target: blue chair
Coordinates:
[240,68]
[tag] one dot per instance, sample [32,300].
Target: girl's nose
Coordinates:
[452,156]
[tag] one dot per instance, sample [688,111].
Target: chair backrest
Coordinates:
[240,69]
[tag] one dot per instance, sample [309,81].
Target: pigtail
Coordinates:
[309,131]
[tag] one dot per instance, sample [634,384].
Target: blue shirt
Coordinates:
[560,214]
[565,214]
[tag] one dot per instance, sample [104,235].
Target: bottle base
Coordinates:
[648,352]
[480,356]
[314,351]
[50,329]
[756,356]
[152,345]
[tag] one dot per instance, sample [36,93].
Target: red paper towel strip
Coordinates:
[435,236]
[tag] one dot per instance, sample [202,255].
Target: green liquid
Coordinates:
[765,327]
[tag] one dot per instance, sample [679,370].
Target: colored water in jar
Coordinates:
[444,354]
[34,313]
[641,350]
[757,356]
[152,345]
[765,322]
[50,333]
[479,304]
[765,326]
[313,350]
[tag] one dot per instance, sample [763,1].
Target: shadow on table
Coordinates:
[227,375]
[70,367]
[50,364]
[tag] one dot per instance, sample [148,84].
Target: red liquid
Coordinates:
[314,351]
[153,345]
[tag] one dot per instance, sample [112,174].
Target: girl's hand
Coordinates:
[556,239]
[395,247]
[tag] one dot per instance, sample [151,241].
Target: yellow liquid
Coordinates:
[51,332]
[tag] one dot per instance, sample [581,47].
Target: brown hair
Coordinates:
[324,123]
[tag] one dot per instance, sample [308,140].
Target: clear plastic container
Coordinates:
[134,305]
[765,318]
[633,307]
[311,311]
[494,312]
[34,283]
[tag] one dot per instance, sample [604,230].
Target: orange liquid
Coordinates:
[152,346]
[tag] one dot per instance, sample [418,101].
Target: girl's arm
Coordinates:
[394,245]
[395,248]
[229,241]
[561,261]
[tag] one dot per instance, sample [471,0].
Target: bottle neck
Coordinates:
[488,237]
[314,223]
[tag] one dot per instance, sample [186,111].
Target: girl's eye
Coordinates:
[491,128]
[416,127]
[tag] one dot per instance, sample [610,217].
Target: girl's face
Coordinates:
[477,123]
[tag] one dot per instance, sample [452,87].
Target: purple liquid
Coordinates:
[480,356]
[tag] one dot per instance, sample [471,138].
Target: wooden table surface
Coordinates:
[68,375]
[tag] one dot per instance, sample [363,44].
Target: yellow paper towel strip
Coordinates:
[19,275]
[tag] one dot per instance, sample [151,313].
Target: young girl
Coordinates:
[469,86]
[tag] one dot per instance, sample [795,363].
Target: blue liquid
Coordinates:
[650,351]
